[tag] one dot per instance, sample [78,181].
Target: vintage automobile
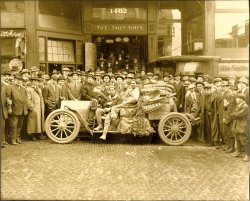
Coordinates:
[173,128]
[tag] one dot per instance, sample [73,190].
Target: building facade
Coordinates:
[209,37]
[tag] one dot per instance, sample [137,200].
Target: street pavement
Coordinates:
[95,170]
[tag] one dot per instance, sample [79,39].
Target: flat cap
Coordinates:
[244,80]
[217,79]
[25,71]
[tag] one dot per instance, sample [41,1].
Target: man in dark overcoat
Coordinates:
[4,106]
[51,95]
[240,126]
[17,97]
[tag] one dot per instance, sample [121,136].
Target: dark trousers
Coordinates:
[15,125]
[3,130]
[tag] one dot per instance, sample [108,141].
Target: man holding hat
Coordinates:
[17,98]
[240,126]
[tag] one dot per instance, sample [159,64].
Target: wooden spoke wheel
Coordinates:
[174,128]
[62,126]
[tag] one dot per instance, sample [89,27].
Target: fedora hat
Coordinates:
[33,69]
[25,71]
[191,86]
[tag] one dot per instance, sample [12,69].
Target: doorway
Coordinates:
[128,47]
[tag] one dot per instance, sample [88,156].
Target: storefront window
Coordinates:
[119,13]
[169,32]
[63,15]
[231,30]
[61,51]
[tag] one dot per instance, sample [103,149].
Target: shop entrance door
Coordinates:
[128,47]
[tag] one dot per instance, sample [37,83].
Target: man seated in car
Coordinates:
[113,99]
[131,98]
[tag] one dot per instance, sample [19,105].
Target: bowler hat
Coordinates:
[241,96]
[54,77]
[202,83]
[224,83]
[33,78]
[106,75]
[34,69]
[19,76]
[150,74]
[217,79]
[192,79]
[6,72]
[25,71]
[61,77]
[207,85]
[65,69]
[46,77]
[191,86]
[74,72]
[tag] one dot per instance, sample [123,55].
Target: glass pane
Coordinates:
[119,13]
[169,39]
[61,50]
[169,14]
[60,14]
[231,4]
[231,30]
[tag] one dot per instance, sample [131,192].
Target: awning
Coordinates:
[187,58]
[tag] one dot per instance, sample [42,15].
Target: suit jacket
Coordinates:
[51,95]
[189,102]
[4,94]
[240,119]
[18,95]
[63,92]
[87,91]
[74,90]
[179,94]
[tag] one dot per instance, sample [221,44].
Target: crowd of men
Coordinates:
[218,107]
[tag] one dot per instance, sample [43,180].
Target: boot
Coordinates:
[231,149]
[237,153]
[18,141]
[98,128]
[105,131]
[245,158]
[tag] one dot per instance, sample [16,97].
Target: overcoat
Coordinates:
[35,117]
[18,95]
[4,88]
[240,119]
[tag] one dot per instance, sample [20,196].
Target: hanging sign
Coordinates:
[235,69]
[16,63]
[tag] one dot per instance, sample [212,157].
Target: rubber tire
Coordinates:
[48,128]
[162,123]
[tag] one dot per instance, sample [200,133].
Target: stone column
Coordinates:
[32,56]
